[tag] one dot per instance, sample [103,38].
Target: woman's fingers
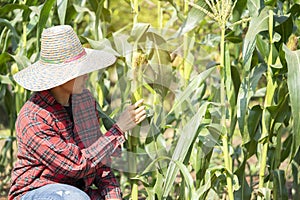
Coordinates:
[139,110]
[133,115]
[139,102]
[141,118]
[139,113]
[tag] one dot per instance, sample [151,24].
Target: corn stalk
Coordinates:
[133,139]
[271,86]
[220,11]
[135,10]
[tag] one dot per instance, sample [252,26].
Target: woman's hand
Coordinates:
[132,116]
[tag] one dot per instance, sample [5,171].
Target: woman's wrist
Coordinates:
[116,126]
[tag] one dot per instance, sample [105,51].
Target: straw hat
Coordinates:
[62,58]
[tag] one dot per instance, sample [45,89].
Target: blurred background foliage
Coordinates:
[220,79]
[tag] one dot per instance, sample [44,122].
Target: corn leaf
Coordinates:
[244,192]
[6,80]
[156,147]
[102,44]
[238,10]
[253,123]
[188,133]
[255,7]
[4,10]
[5,58]
[44,16]
[122,46]
[296,174]
[138,32]
[280,191]
[10,26]
[190,89]
[246,92]
[194,17]
[257,25]
[61,9]
[107,121]
[293,61]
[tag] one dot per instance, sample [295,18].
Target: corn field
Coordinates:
[220,79]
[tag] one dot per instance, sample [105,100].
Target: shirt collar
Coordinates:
[47,97]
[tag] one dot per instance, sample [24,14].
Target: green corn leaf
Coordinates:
[82,10]
[62,9]
[255,7]
[244,192]
[98,30]
[123,47]
[264,193]
[253,123]
[156,190]
[293,61]
[5,137]
[188,133]
[107,121]
[246,92]
[102,44]
[4,10]
[6,148]
[279,189]
[5,57]
[156,147]
[94,4]
[296,174]
[22,61]
[238,10]
[10,26]
[194,17]
[158,185]
[138,32]
[284,25]
[286,150]
[279,112]
[257,25]
[151,167]
[33,19]
[207,182]
[200,160]
[44,16]
[190,89]
[187,177]
[6,80]
[263,47]
[160,63]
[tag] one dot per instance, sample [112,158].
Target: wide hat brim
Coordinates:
[43,76]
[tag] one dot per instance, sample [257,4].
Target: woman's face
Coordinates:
[77,85]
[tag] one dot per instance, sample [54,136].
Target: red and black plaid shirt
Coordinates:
[54,149]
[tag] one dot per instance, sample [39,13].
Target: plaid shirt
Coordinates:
[54,149]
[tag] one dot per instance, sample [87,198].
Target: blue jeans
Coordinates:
[56,192]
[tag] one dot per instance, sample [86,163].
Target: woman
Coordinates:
[61,151]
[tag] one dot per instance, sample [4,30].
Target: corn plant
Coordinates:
[220,11]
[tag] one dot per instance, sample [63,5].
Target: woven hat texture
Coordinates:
[62,58]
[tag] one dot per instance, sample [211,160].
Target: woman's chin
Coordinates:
[78,91]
